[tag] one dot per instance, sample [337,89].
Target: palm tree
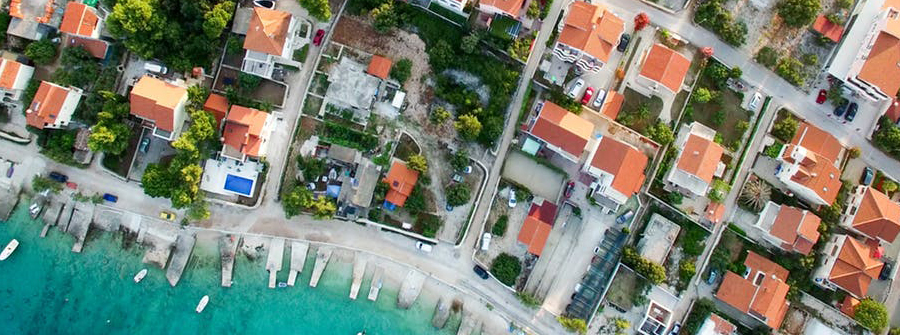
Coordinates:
[756,194]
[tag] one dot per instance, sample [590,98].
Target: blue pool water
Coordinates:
[238,184]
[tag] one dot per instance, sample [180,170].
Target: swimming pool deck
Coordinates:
[227,249]
[323,255]
[377,281]
[80,223]
[274,260]
[359,270]
[298,260]
[184,245]
[410,289]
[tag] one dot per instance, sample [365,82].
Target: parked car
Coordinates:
[587,95]
[754,102]
[712,277]
[625,217]
[823,95]
[867,176]
[851,112]
[481,272]
[59,177]
[71,185]
[467,169]
[576,88]
[110,197]
[675,329]
[598,101]
[457,178]
[840,109]
[168,216]
[623,42]
[569,187]
[512,198]
[155,67]
[320,35]
[145,144]
[885,273]
[485,241]
[449,208]
[424,246]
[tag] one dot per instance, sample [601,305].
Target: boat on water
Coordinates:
[34,210]
[282,284]
[361,333]
[140,276]
[202,304]
[9,249]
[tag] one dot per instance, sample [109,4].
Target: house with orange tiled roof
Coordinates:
[512,8]
[561,131]
[401,180]
[866,60]
[52,106]
[760,292]
[379,66]
[269,39]
[95,47]
[698,162]
[160,105]
[789,228]
[14,78]
[872,214]
[663,70]
[80,19]
[538,223]
[849,264]
[808,165]
[716,325]
[246,133]
[217,105]
[588,36]
[618,171]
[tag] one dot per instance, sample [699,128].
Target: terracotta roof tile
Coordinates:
[379,66]
[665,66]
[723,327]
[828,29]
[612,105]
[797,228]
[877,216]
[893,111]
[47,105]
[816,173]
[848,306]
[537,226]
[156,100]
[511,7]
[268,31]
[714,212]
[10,71]
[855,268]
[243,129]
[624,162]
[218,106]
[819,141]
[94,47]
[79,19]
[401,181]
[882,67]
[768,299]
[700,157]
[563,129]
[736,291]
[591,29]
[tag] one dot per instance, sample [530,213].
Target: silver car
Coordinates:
[576,88]
[598,101]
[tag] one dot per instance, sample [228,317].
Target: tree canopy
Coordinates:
[318,9]
[798,13]
[468,127]
[41,52]
[418,163]
[110,134]
[871,314]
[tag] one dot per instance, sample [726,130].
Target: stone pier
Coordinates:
[275,259]
[298,260]
[80,223]
[377,281]
[65,216]
[227,248]
[184,245]
[359,271]
[323,255]
[441,313]
[469,325]
[410,289]
[51,214]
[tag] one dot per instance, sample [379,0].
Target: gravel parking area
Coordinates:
[509,242]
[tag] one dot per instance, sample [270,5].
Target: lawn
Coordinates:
[625,288]
[638,111]
[723,113]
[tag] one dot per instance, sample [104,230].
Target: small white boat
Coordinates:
[140,276]
[9,249]
[202,304]
[282,284]
[34,210]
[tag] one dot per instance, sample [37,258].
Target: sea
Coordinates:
[45,288]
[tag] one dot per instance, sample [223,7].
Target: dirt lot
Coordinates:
[540,180]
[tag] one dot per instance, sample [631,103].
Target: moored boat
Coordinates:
[9,249]
[202,304]
[140,276]
[34,210]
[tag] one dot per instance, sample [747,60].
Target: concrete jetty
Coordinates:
[323,255]
[298,260]
[377,281]
[65,216]
[359,270]
[184,245]
[441,313]
[275,259]
[227,248]
[80,223]
[469,324]
[51,214]
[9,197]
[410,289]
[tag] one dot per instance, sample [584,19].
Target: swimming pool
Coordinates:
[239,185]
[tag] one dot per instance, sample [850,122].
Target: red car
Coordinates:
[587,95]
[319,36]
[823,95]
[569,187]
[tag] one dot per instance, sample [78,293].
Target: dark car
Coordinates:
[59,177]
[481,272]
[110,197]
[851,112]
[839,110]
[623,42]
[569,187]
[867,176]
[320,34]
[885,273]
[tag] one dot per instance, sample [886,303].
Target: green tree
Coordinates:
[785,129]
[889,186]
[843,4]
[686,271]
[534,9]
[470,43]
[41,184]
[506,268]
[439,115]
[702,95]
[854,152]
[499,227]
[385,17]
[459,160]
[791,70]
[871,314]
[139,24]
[41,52]
[296,200]
[402,70]
[318,9]
[157,181]
[798,13]
[323,208]
[199,210]
[440,56]
[718,118]
[574,325]
[458,194]
[418,163]
[215,20]
[660,133]
[468,126]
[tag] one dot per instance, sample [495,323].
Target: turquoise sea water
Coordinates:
[47,289]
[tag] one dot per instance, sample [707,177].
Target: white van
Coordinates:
[155,67]
[423,246]
[485,241]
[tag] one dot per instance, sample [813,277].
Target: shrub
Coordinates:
[41,52]
[718,118]
[686,271]
[418,163]
[506,268]
[402,70]
[871,314]
[528,299]
[468,127]
[798,13]
[702,95]
[499,227]
[785,129]
[573,324]
[41,184]
[439,115]
[773,150]
[767,56]
[655,273]
[458,194]
[791,70]
[660,133]
[318,9]
[674,198]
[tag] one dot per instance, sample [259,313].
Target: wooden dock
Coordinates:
[184,245]
[323,255]
[80,223]
[298,260]
[377,281]
[359,271]
[274,260]
[410,289]
[227,248]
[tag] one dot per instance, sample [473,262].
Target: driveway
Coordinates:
[157,149]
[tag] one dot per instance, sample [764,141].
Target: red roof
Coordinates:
[612,105]
[401,181]
[624,162]
[46,106]
[156,100]
[217,105]
[714,212]
[268,31]
[877,216]
[762,294]
[79,19]
[94,47]
[665,66]
[828,29]
[855,267]
[893,111]
[537,226]
[243,130]
[799,229]
[379,67]
[558,127]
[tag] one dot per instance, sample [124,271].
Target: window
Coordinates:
[834,251]
[759,278]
